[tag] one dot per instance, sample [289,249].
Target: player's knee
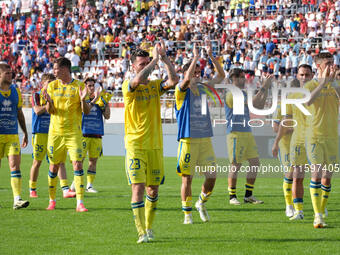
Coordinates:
[14,162]
[54,168]
[137,191]
[152,191]
[93,163]
[36,163]
[77,165]
[187,180]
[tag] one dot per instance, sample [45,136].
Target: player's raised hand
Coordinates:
[155,53]
[97,93]
[195,51]
[46,96]
[161,48]
[268,81]
[24,141]
[82,93]
[327,74]
[208,48]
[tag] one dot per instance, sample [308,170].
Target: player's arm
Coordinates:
[85,107]
[220,73]
[173,78]
[336,83]
[49,103]
[142,76]
[190,72]
[22,123]
[107,111]
[276,126]
[316,92]
[326,76]
[37,108]
[282,130]
[260,98]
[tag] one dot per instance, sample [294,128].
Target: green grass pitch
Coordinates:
[108,227]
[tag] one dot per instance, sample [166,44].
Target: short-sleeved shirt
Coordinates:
[323,123]
[143,126]
[67,118]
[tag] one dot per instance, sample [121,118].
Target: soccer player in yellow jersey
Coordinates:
[322,133]
[194,135]
[40,125]
[297,151]
[143,135]
[65,102]
[10,114]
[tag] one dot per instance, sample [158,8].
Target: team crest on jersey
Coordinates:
[6,105]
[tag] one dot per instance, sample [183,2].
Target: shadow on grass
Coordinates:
[282,240]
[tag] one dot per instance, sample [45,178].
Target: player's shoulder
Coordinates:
[54,83]
[15,88]
[311,85]
[179,90]
[125,85]
[229,95]
[78,83]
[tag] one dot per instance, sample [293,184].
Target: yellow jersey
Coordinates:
[285,139]
[299,134]
[323,123]
[66,100]
[143,126]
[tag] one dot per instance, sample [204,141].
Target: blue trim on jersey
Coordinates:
[233,120]
[9,112]
[40,123]
[191,122]
[127,173]
[179,157]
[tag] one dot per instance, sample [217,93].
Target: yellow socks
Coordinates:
[150,210]
[52,185]
[249,189]
[16,183]
[64,185]
[204,197]
[187,205]
[287,191]
[298,204]
[33,185]
[315,193]
[232,192]
[79,184]
[91,175]
[139,216]
[325,190]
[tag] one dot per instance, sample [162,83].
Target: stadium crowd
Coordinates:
[273,36]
